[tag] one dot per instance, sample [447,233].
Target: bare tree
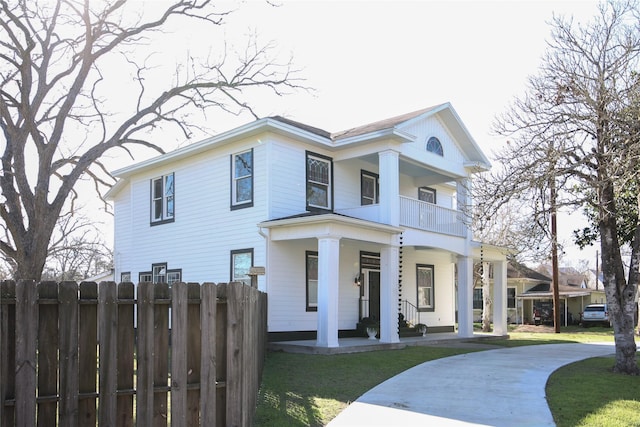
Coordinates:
[573,128]
[76,83]
[76,250]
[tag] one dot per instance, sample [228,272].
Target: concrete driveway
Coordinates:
[501,387]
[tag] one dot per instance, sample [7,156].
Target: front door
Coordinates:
[373,279]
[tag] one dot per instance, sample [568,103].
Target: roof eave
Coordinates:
[243,131]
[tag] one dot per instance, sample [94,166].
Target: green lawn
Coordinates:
[310,390]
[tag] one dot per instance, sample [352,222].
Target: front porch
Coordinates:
[358,345]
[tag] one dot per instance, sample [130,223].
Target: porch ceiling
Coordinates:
[330,225]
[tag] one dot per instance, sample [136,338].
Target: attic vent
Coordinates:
[434,146]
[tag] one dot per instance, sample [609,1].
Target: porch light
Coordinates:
[358,280]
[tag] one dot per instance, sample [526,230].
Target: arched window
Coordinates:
[434,146]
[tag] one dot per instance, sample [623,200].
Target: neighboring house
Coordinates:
[368,222]
[537,292]
[105,276]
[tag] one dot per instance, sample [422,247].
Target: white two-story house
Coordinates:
[369,222]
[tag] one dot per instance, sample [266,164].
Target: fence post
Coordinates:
[208,375]
[235,374]
[68,329]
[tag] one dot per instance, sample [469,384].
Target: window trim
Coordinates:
[515,292]
[434,143]
[329,161]
[164,217]
[167,272]
[376,187]
[232,255]
[234,204]
[428,190]
[433,288]
[307,256]
[475,300]
[124,274]
[144,280]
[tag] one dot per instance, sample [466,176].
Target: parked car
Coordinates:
[596,314]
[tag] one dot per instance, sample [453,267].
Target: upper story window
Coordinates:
[162,199]
[242,180]
[427,194]
[369,188]
[319,177]
[435,146]
[241,262]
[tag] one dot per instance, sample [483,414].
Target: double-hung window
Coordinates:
[242,180]
[369,188]
[477,299]
[241,262]
[319,185]
[312,280]
[424,275]
[162,199]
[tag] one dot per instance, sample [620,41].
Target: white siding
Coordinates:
[444,290]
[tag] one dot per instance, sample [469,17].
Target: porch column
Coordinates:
[463,202]
[328,267]
[500,297]
[389,181]
[389,294]
[465,296]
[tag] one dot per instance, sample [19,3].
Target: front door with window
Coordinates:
[373,284]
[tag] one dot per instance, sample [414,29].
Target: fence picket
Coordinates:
[7,351]
[26,339]
[107,327]
[68,330]
[125,356]
[194,353]
[162,299]
[144,401]
[208,375]
[87,353]
[179,354]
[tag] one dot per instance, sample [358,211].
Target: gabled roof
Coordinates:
[544,290]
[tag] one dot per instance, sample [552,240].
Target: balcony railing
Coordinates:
[417,214]
[430,217]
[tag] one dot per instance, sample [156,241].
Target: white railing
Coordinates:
[427,216]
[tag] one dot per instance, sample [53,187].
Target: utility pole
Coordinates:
[554,258]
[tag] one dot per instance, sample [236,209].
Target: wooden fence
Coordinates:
[71,355]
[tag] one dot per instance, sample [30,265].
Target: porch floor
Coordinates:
[356,345]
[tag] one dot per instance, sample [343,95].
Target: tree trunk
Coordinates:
[620,296]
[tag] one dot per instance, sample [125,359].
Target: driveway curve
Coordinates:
[501,387]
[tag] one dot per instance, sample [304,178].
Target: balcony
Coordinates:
[417,214]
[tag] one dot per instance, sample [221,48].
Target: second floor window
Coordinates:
[368,188]
[319,177]
[427,194]
[242,180]
[162,199]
